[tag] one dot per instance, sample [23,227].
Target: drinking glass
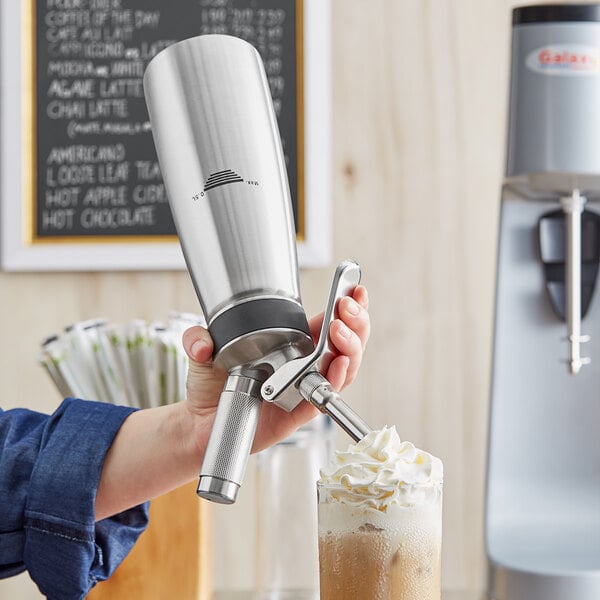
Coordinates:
[390,552]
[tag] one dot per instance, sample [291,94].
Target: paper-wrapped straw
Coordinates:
[51,365]
[59,354]
[80,340]
[137,364]
[109,367]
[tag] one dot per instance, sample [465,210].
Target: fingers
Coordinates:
[204,384]
[337,373]
[198,344]
[354,313]
[349,334]
[361,295]
[349,346]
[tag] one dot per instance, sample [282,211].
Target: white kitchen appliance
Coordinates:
[542,520]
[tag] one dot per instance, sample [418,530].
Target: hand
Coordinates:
[348,334]
[159,449]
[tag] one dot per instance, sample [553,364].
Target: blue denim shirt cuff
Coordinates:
[65,551]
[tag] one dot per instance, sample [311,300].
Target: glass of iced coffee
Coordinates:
[380,522]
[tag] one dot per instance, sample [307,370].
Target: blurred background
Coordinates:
[419,102]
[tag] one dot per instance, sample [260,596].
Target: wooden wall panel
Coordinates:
[419,117]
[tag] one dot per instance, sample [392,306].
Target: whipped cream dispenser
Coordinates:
[222,162]
[542,518]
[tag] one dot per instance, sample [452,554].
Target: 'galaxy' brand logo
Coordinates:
[565,59]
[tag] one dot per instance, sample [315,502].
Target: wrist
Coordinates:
[155,451]
[192,430]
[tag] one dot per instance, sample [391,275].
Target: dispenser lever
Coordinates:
[303,374]
[345,279]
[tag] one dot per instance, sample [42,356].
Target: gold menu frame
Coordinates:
[117,252]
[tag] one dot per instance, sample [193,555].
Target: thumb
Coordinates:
[198,344]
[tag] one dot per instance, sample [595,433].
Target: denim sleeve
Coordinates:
[49,472]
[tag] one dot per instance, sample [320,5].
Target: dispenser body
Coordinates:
[542,515]
[221,158]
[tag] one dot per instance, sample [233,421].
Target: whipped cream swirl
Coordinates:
[380,470]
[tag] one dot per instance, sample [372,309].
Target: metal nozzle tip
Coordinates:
[217,490]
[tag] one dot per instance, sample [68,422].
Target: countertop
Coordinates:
[448,595]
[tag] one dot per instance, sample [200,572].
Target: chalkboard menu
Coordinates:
[94,164]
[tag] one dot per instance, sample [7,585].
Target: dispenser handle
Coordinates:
[230,440]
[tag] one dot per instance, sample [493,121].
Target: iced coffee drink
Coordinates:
[380,522]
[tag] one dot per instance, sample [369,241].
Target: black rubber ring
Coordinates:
[255,315]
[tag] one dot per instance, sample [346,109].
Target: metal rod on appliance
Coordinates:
[573,207]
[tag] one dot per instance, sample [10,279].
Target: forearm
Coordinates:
[50,466]
[155,451]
